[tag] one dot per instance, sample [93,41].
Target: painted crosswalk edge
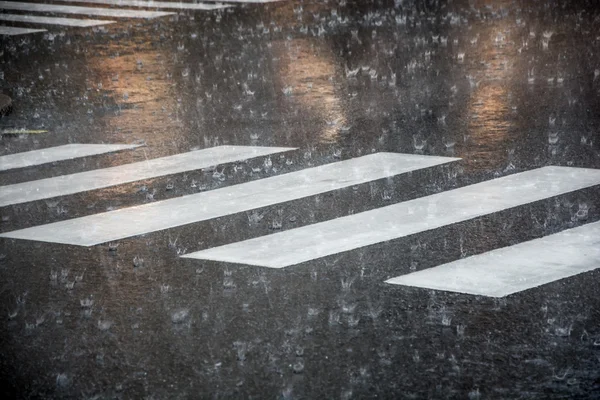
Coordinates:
[58,153]
[250,1]
[13,31]
[35,19]
[177,5]
[102,178]
[127,222]
[60,9]
[513,269]
[399,220]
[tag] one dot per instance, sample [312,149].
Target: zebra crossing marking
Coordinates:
[155,4]
[347,233]
[250,1]
[34,19]
[110,12]
[114,225]
[516,268]
[103,12]
[102,178]
[58,153]
[13,31]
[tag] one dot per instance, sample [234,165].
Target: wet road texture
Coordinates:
[506,86]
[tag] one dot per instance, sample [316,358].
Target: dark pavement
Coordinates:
[507,86]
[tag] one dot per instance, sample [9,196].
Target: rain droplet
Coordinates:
[138,261]
[86,303]
[582,212]
[180,316]
[62,380]
[419,142]
[104,325]
[298,367]
[553,137]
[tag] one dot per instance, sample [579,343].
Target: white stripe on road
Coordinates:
[399,220]
[34,19]
[104,12]
[513,269]
[12,31]
[249,1]
[119,224]
[59,153]
[102,178]
[154,4]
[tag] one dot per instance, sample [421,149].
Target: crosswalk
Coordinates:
[100,12]
[14,31]
[512,269]
[119,224]
[399,220]
[103,178]
[497,273]
[156,4]
[40,20]
[113,9]
[60,153]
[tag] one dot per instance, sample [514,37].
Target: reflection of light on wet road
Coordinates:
[306,72]
[488,125]
[489,110]
[140,86]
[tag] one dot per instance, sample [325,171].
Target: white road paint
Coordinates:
[119,224]
[399,220]
[102,178]
[512,269]
[12,31]
[59,153]
[34,19]
[178,5]
[59,9]
[250,1]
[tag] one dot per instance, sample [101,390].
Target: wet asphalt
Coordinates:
[507,86]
